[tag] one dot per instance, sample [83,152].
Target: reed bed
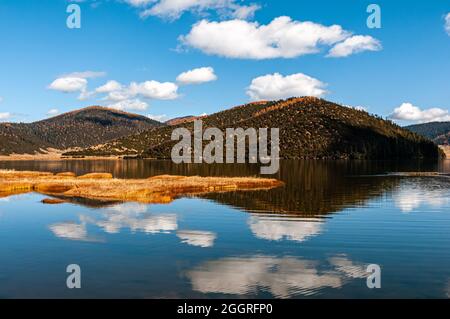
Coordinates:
[102,186]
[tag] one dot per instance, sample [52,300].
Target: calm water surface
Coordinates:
[314,237]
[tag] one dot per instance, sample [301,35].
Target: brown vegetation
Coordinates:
[53,201]
[310,128]
[446,150]
[77,129]
[158,189]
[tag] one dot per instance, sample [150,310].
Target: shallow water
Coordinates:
[314,237]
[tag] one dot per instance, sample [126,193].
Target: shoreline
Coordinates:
[56,155]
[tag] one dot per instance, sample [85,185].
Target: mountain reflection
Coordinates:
[282,277]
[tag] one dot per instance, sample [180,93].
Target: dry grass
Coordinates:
[53,201]
[446,149]
[101,186]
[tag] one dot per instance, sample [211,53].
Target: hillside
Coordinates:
[439,132]
[181,120]
[309,128]
[81,128]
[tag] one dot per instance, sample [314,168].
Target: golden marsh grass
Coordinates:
[102,186]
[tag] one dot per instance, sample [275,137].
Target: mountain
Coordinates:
[81,128]
[439,132]
[182,119]
[309,128]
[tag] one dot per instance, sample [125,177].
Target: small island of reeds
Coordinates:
[102,186]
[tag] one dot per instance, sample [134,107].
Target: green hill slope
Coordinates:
[439,132]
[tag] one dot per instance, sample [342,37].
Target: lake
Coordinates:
[312,238]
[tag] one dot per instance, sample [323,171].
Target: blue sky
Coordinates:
[239,51]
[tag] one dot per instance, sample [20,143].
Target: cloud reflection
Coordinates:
[134,217]
[409,199]
[282,277]
[278,228]
[198,238]
[72,231]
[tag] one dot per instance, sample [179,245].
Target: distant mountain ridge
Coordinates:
[439,132]
[80,128]
[309,128]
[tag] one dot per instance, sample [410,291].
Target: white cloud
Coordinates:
[148,89]
[447,23]
[85,74]
[75,82]
[5,116]
[134,105]
[118,95]
[276,86]
[409,112]
[109,86]
[139,3]
[69,84]
[154,90]
[52,112]
[357,107]
[355,44]
[281,38]
[197,76]
[245,12]
[159,118]
[173,9]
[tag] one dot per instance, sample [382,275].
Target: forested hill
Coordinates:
[81,128]
[309,128]
[439,132]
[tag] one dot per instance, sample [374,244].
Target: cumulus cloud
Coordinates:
[52,112]
[276,86]
[130,105]
[409,112]
[447,23]
[197,76]
[128,97]
[245,12]
[75,82]
[355,44]
[109,86]
[69,84]
[281,38]
[154,90]
[5,116]
[173,9]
